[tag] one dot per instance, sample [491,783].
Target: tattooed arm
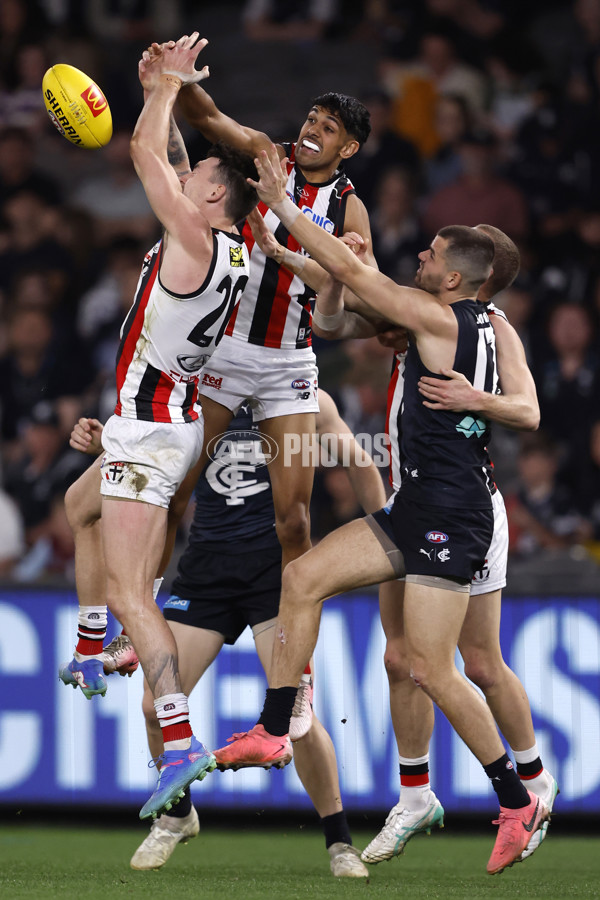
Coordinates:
[176,151]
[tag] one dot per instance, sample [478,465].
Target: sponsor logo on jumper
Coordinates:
[212,381]
[436,537]
[236,256]
[300,384]
[189,364]
[176,603]
[470,426]
[94,100]
[426,552]
[321,221]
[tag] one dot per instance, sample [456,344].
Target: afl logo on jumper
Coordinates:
[436,537]
[300,384]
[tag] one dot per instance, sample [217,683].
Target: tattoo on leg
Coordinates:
[163,670]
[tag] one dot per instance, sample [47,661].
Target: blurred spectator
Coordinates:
[288,20]
[116,200]
[18,170]
[553,174]
[479,194]
[518,303]
[397,236]
[588,490]
[12,534]
[32,246]
[417,84]
[383,150]
[511,68]
[32,370]
[41,475]
[568,383]
[21,22]
[541,512]
[23,107]
[333,503]
[452,123]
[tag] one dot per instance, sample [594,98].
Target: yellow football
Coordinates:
[77,106]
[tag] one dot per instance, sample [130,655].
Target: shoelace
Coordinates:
[237,736]
[155,761]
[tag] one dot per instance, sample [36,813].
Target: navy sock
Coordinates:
[335,828]
[183,808]
[506,783]
[530,769]
[277,711]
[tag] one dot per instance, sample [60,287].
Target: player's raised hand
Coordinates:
[86,436]
[457,394]
[356,243]
[179,58]
[264,237]
[272,176]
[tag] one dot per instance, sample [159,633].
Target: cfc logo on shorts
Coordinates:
[236,257]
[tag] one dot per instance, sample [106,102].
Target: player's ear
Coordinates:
[217,192]
[453,280]
[349,149]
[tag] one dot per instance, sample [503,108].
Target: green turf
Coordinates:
[41,863]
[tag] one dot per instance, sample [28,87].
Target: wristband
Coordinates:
[293,261]
[328,323]
[172,79]
[286,211]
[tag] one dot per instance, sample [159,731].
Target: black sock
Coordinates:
[506,783]
[183,808]
[335,829]
[277,711]
[530,769]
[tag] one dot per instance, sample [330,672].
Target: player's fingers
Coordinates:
[432,405]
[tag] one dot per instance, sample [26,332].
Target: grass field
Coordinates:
[42,863]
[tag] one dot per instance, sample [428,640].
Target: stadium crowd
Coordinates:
[481,111]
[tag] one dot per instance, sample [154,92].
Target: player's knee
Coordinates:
[80,512]
[396,662]
[293,583]
[482,670]
[293,525]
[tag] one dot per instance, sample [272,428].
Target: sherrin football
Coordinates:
[77,106]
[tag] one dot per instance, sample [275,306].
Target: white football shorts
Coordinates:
[492,575]
[147,461]
[275,382]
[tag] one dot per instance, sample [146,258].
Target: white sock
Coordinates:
[172,709]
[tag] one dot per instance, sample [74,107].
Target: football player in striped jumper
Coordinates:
[266,354]
[190,282]
[439,527]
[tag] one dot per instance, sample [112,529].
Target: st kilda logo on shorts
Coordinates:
[113,471]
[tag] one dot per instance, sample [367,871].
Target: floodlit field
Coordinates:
[42,863]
